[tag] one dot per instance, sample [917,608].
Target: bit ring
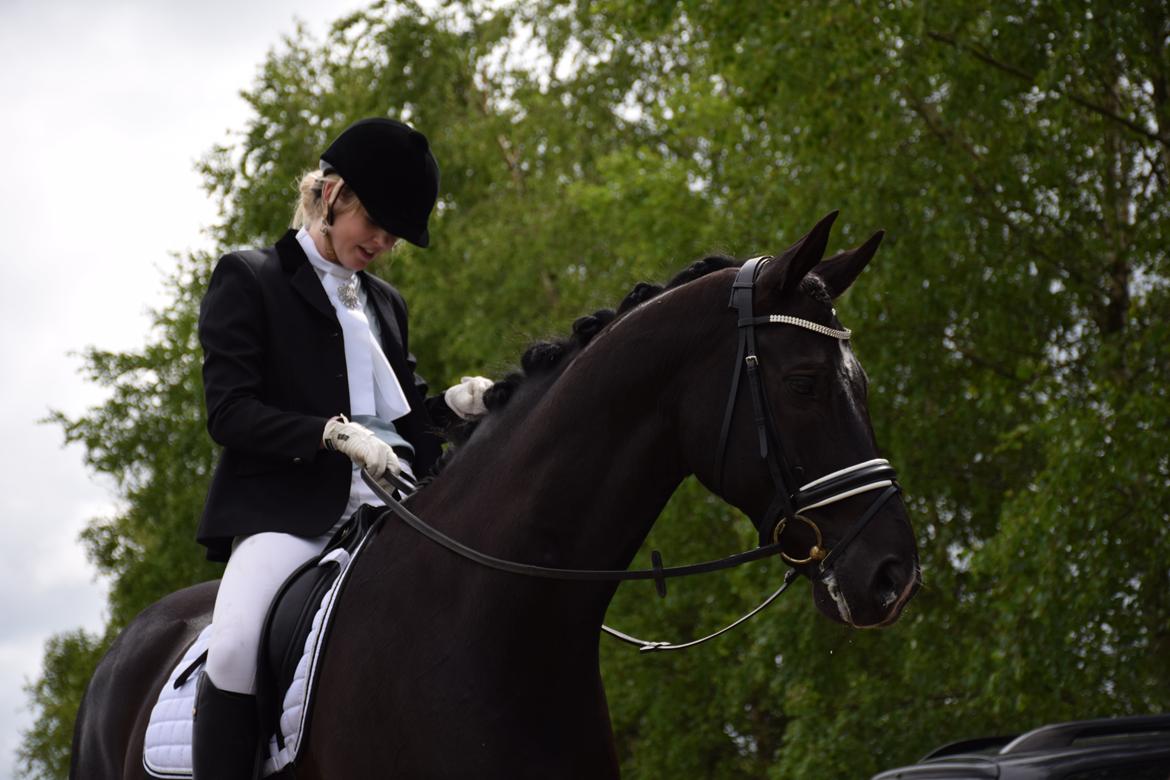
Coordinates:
[815,553]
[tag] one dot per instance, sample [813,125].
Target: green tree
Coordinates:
[69,661]
[499,210]
[1014,327]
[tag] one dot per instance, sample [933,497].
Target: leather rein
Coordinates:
[786,506]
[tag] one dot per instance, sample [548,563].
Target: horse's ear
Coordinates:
[786,271]
[839,271]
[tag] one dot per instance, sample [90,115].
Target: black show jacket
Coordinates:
[273,373]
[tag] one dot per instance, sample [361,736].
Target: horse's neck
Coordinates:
[574,481]
[583,479]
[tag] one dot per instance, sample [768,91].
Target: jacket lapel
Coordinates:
[304,280]
[301,274]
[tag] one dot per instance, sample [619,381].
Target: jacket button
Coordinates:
[341,376]
[297,461]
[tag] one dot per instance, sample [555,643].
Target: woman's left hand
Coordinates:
[466,398]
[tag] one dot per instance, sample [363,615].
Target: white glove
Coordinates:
[361,446]
[466,398]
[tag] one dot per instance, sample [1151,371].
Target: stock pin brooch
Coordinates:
[347,293]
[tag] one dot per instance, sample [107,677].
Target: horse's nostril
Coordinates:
[888,582]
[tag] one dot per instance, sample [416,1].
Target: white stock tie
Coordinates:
[373,387]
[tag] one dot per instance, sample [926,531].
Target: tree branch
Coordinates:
[508,153]
[1006,374]
[1118,202]
[1080,100]
[988,199]
[1159,26]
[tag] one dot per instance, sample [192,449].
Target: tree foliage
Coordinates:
[1014,328]
[69,660]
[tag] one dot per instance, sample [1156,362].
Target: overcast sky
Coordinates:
[106,107]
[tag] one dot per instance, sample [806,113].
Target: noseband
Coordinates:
[789,503]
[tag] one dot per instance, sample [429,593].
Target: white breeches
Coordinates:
[258,566]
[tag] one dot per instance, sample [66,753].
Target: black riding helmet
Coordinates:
[389,166]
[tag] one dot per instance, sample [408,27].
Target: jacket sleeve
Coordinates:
[233,333]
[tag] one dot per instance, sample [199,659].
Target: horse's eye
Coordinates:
[801,385]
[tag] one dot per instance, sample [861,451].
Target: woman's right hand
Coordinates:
[360,445]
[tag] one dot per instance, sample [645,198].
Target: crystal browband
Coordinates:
[824,330]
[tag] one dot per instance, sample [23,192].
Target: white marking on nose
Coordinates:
[830,580]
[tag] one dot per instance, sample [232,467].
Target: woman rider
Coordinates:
[308,377]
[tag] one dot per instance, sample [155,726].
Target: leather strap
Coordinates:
[647,646]
[658,574]
[748,362]
[858,527]
[818,493]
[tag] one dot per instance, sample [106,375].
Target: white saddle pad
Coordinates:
[167,752]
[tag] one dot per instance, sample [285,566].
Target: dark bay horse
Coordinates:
[438,667]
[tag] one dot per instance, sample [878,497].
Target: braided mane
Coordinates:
[544,361]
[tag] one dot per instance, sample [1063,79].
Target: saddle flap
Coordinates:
[296,630]
[290,618]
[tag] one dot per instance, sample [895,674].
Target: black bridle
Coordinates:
[789,500]
[787,504]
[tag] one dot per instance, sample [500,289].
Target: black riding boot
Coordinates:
[225,742]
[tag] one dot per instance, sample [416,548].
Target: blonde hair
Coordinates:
[310,205]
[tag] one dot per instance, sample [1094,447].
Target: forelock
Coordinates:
[814,287]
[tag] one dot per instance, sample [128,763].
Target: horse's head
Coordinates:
[796,450]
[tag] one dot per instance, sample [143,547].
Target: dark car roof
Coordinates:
[1080,749]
